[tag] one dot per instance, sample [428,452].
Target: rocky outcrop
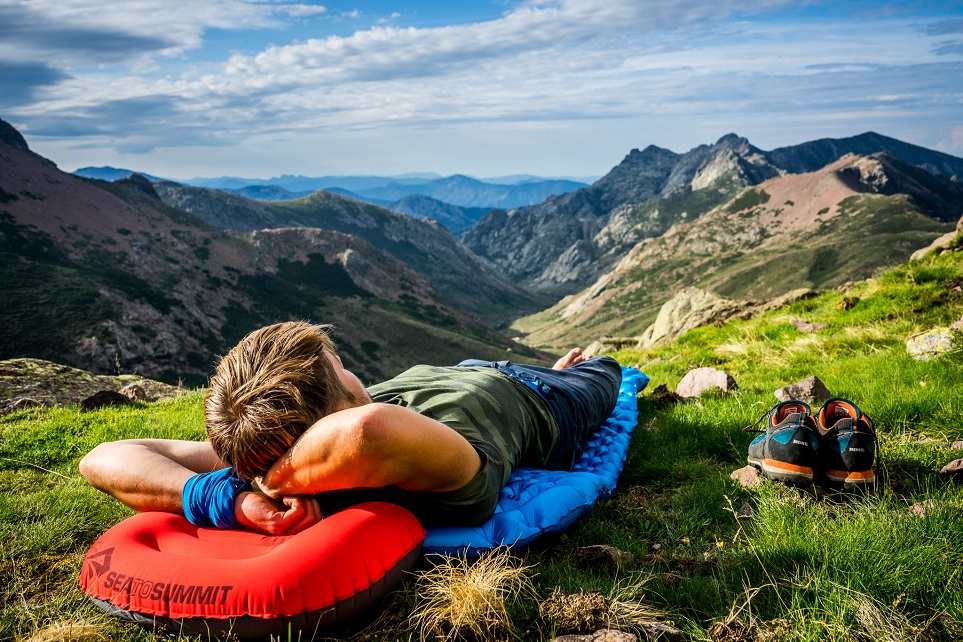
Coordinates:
[45,383]
[10,136]
[690,308]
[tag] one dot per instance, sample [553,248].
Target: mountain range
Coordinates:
[564,244]
[106,276]
[160,276]
[457,190]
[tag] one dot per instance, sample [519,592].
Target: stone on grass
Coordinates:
[134,392]
[20,403]
[602,635]
[930,344]
[747,476]
[956,445]
[697,381]
[811,390]
[808,326]
[954,468]
[921,508]
[602,556]
[104,398]
[957,325]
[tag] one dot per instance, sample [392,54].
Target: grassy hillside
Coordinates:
[760,564]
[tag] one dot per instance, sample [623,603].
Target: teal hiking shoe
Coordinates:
[848,446]
[787,450]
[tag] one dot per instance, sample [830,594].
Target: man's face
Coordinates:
[348,378]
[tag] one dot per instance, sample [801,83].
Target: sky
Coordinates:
[487,88]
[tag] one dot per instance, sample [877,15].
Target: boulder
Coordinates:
[930,344]
[941,243]
[689,308]
[811,390]
[697,381]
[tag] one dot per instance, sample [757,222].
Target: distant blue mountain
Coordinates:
[457,190]
[112,174]
[464,191]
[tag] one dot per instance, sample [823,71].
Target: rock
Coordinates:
[808,326]
[608,345]
[930,344]
[956,445]
[104,398]
[658,632]
[602,635]
[21,403]
[811,390]
[920,508]
[578,613]
[602,556]
[747,476]
[697,381]
[941,243]
[134,392]
[746,510]
[957,325]
[954,468]
[689,308]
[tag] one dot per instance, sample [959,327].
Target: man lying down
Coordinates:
[288,427]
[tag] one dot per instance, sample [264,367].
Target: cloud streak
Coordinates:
[546,65]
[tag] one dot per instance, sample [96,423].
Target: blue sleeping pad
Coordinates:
[538,501]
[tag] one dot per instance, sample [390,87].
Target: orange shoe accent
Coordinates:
[856,475]
[793,468]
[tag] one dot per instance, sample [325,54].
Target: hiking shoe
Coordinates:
[848,445]
[786,452]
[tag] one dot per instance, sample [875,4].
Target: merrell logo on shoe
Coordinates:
[800,443]
[857,450]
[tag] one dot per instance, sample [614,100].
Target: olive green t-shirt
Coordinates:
[506,422]
[499,416]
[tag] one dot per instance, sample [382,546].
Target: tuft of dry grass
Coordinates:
[67,631]
[461,599]
[628,611]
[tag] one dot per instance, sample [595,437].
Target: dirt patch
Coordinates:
[582,612]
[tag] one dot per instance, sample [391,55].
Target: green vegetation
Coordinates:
[747,200]
[794,565]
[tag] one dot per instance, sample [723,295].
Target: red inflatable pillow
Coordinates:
[159,570]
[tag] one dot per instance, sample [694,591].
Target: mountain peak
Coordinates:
[10,136]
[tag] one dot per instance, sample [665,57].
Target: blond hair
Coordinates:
[269,389]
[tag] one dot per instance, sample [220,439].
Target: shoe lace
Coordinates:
[752,427]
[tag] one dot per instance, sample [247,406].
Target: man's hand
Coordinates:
[292,515]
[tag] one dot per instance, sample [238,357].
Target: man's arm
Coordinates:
[149,475]
[372,446]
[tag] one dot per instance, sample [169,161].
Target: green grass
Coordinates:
[795,565]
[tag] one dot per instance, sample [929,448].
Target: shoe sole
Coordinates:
[783,472]
[852,480]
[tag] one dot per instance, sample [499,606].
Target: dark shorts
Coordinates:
[579,398]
